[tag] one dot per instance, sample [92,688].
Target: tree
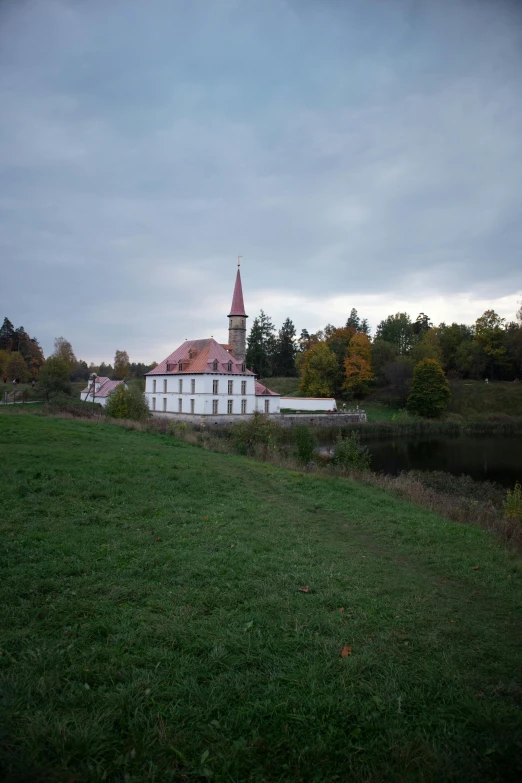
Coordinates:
[358,365]
[286,350]
[319,372]
[383,353]
[16,367]
[397,329]
[427,346]
[338,341]
[7,331]
[121,365]
[4,357]
[63,350]
[398,377]
[422,324]
[105,370]
[53,378]
[450,339]
[261,346]
[489,334]
[127,402]
[430,393]
[356,323]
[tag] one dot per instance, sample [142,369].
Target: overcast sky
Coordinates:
[356,153]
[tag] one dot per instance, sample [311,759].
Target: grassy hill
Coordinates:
[169,613]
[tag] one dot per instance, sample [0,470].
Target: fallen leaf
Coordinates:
[205,519]
[345,652]
[158,538]
[341,609]
[303,589]
[475,568]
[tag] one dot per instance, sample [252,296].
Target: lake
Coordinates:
[483,457]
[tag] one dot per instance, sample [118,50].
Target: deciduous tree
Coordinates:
[397,329]
[319,371]
[63,350]
[53,378]
[16,367]
[121,365]
[430,394]
[358,365]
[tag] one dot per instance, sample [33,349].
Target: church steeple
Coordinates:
[237,321]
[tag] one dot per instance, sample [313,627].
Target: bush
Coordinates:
[305,443]
[513,505]
[348,453]
[430,392]
[258,430]
[127,402]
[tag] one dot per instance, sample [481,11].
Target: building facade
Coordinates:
[99,389]
[205,378]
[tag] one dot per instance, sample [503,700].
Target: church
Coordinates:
[206,378]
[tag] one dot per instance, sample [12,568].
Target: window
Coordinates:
[230,405]
[154,387]
[168,367]
[229,367]
[193,386]
[243,367]
[243,406]
[192,404]
[180,367]
[231,387]
[181,385]
[267,406]
[164,386]
[215,387]
[215,406]
[153,403]
[180,405]
[243,387]
[215,365]
[164,403]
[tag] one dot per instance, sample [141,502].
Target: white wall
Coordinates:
[86,397]
[203,395]
[274,403]
[308,403]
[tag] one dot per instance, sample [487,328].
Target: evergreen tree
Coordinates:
[286,350]
[7,331]
[429,394]
[261,346]
[353,321]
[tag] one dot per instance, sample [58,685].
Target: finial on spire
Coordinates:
[239,261]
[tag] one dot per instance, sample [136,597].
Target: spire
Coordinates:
[238,306]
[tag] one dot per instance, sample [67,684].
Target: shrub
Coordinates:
[257,430]
[513,505]
[430,393]
[348,453]
[305,443]
[127,403]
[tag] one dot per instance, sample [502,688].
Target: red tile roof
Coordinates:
[105,388]
[264,390]
[197,356]
[238,306]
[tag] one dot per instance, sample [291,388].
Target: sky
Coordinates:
[356,154]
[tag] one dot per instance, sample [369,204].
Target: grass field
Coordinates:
[154,627]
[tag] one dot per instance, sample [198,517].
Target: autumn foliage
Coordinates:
[358,364]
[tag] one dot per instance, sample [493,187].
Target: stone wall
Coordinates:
[285,419]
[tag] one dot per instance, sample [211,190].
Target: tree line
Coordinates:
[21,357]
[346,361]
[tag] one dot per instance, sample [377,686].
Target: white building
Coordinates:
[203,377]
[101,388]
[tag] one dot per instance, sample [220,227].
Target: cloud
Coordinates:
[362,155]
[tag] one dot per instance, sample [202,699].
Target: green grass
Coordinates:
[471,398]
[153,628]
[288,387]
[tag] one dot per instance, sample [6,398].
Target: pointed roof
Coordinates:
[238,306]
[198,356]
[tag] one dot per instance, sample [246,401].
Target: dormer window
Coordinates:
[215,365]
[229,367]
[180,367]
[243,367]
[168,367]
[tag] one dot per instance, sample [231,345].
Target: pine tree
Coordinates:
[285,350]
[7,331]
[261,346]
